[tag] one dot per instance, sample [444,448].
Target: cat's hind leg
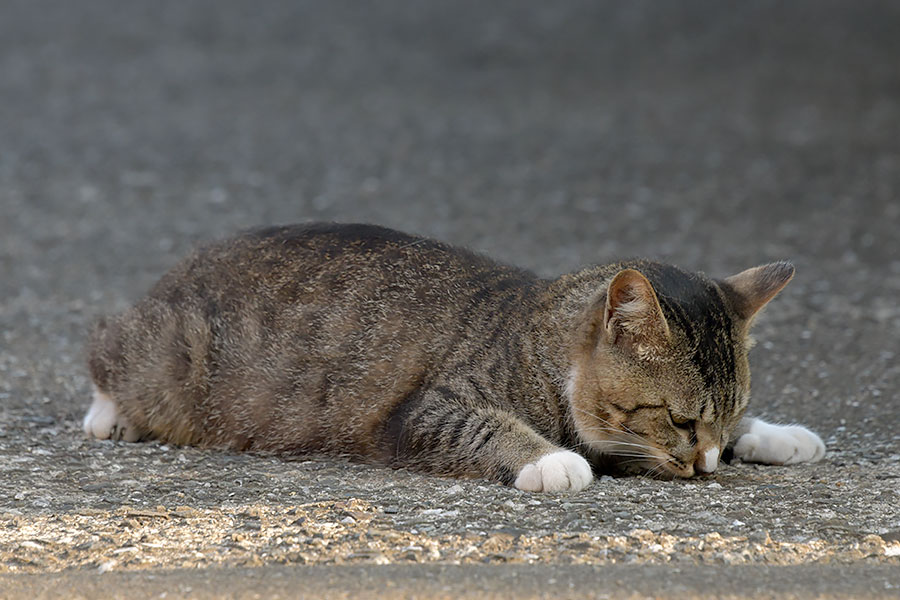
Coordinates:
[761,442]
[105,421]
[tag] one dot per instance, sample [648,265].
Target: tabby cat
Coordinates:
[364,342]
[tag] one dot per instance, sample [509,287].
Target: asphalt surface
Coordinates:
[715,135]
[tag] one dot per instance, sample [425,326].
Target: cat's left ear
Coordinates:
[750,290]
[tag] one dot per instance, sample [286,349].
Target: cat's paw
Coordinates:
[555,472]
[778,444]
[104,421]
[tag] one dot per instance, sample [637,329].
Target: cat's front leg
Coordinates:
[444,435]
[760,442]
[557,471]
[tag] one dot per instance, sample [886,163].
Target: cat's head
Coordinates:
[660,377]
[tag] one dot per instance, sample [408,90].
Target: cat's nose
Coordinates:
[708,461]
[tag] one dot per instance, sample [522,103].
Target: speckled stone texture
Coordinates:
[716,135]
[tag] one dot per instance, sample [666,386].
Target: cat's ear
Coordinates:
[750,290]
[633,319]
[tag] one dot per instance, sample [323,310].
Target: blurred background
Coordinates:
[713,134]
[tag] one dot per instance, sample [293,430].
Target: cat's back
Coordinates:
[328,262]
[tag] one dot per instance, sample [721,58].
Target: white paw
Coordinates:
[778,444]
[103,421]
[555,472]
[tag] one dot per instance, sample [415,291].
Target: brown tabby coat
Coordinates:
[363,341]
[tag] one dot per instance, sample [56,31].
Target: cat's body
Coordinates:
[361,341]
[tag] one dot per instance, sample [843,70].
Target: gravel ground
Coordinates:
[716,135]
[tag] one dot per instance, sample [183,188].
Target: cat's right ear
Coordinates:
[633,319]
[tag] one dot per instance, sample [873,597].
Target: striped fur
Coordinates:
[364,342]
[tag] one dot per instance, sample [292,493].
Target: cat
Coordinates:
[368,343]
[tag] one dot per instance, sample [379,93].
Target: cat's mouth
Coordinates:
[647,461]
[667,467]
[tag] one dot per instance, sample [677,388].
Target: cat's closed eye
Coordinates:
[680,422]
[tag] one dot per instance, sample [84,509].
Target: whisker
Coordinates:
[636,457]
[659,467]
[624,443]
[610,428]
[619,446]
[611,448]
[599,418]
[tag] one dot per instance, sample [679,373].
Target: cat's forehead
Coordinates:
[703,327]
